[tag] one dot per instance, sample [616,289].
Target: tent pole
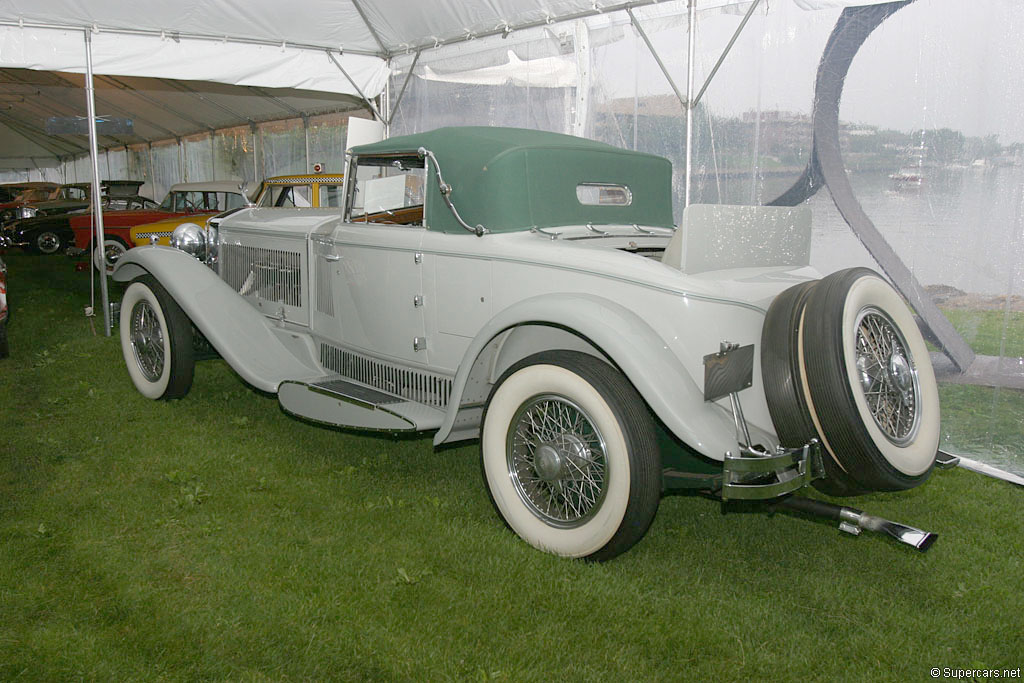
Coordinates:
[725,52]
[384,102]
[255,154]
[691,48]
[182,168]
[369,102]
[97,206]
[654,53]
[152,168]
[305,135]
[401,93]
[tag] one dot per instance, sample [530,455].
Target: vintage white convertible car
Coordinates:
[529,289]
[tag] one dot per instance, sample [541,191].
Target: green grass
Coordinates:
[985,420]
[217,538]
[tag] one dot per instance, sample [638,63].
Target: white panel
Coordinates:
[363,132]
[190,59]
[326,23]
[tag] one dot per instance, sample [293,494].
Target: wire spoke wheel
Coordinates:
[569,455]
[887,376]
[147,340]
[868,382]
[557,460]
[156,340]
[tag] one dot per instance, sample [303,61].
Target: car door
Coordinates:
[378,271]
[378,290]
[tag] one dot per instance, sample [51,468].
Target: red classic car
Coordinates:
[204,198]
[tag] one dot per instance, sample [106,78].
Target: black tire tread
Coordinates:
[783,388]
[831,391]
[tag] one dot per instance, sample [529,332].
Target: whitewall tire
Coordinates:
[107,257]
[156,341]
[569,456]
[869,382]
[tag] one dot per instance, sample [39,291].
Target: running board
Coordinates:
[337,401]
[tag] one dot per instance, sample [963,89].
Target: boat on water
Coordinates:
[907,177]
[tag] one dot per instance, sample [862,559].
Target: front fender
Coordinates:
[256,347]
[639,352]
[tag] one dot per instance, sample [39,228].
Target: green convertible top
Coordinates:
[510,179]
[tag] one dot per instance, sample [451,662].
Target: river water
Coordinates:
[961,227]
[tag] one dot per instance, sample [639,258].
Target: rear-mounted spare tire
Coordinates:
[865,379]
[784,387]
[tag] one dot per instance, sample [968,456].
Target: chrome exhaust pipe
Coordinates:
[852,521]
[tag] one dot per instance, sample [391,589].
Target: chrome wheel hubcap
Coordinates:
[147,339]
[557,461]
[887,376]
[47,242]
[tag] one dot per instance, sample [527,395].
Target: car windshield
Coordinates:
[202,201]
[386,189]
[74,193]
[127,203]
[34,195]
[286,195]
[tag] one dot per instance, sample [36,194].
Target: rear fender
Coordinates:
[260,349]
[627,341]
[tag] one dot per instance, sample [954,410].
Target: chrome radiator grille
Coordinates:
[415,385]
[268,274]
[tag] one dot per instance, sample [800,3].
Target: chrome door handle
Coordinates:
[332,257]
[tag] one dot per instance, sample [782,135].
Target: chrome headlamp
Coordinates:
[191,239]
[27,212]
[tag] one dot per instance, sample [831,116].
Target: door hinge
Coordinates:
[419,343]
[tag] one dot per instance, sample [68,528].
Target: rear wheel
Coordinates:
[107,257]
[569,456]
[156,341]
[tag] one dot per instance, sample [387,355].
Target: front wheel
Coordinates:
[569,456]
[156,341]
[48,242]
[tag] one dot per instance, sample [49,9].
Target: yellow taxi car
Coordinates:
[317,190]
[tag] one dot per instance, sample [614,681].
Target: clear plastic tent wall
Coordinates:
[931,138]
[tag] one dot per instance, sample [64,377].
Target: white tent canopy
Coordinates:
[310,54]
[271,44]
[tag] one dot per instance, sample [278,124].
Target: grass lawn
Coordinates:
[215,537]
[984,420]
